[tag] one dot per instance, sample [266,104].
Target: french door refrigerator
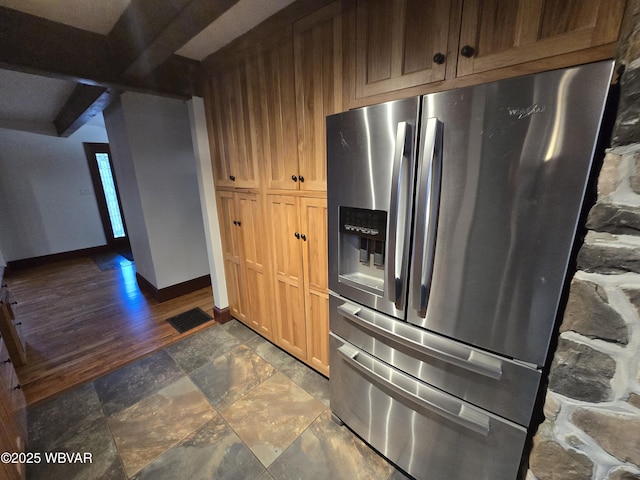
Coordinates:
[451,221]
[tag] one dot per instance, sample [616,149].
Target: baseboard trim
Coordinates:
[174,291]
[222,315]
[25,263]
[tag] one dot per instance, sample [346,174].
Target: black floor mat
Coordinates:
[189,319]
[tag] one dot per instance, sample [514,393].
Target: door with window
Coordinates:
[107,196]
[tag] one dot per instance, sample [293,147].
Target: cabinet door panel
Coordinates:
[396,43]
[279,114]
[314,225]
[231,97]
[255,271]
[505,33]
[232,253]
[318,80]
[216,119]
[288,274]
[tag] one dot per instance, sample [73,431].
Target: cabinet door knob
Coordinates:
[232,178]
[17,387]
[467,51]
[303,237]
[301,178]
[297,235]
[8,360]
[294,178]
[239,223]
[439,58]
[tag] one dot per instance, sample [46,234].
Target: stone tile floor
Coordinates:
[223,403]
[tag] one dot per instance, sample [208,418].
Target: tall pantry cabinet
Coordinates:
[266,114]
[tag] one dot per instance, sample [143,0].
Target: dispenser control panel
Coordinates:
[371,224]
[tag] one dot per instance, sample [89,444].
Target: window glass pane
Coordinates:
[108,185]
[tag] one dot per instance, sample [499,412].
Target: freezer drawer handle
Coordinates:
[464,416]
[474,361]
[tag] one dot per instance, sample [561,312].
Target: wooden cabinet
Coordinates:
[279,112]
[241,218]
[300,272]
[318,85]
[233,113]
[499,33]
[286,244]
[11,329]
[400,44]
[315,267]
[301,74]
[254,262]
[13,415]
[229,233]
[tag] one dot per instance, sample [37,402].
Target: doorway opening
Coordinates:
[107,196]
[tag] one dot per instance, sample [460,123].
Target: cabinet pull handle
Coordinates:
[301,178]
[468,51]
[297,235]
[303,237]
[294,178]
[8,360]
[19,323]
[439,58]
[17,387]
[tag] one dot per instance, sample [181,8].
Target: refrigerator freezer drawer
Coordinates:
[425,431]
[494,383]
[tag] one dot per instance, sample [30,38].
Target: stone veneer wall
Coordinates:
[591,429]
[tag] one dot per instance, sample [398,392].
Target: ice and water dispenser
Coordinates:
[362,248]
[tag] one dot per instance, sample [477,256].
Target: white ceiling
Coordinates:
[30,100]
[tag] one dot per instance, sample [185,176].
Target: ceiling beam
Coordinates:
[84,103]
[150,31]
[137,55]
[37,45]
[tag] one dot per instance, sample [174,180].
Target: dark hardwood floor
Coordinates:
[80,322]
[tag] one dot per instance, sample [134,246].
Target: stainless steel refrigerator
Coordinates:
[452,218]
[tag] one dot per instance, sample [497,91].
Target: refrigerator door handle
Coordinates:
[461,356]
[426,216]
[431,399]
[395,283]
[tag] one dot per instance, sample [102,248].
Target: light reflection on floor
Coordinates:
[129,284]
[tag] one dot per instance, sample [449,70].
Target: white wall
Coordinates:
[200,140]
[47,202]
[155,168]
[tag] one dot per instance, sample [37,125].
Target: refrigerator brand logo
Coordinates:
[525,112]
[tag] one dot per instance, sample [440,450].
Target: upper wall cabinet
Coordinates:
[318,77]
[400,44]
[393,45]
[234,112]
[279,111]
[501,33]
